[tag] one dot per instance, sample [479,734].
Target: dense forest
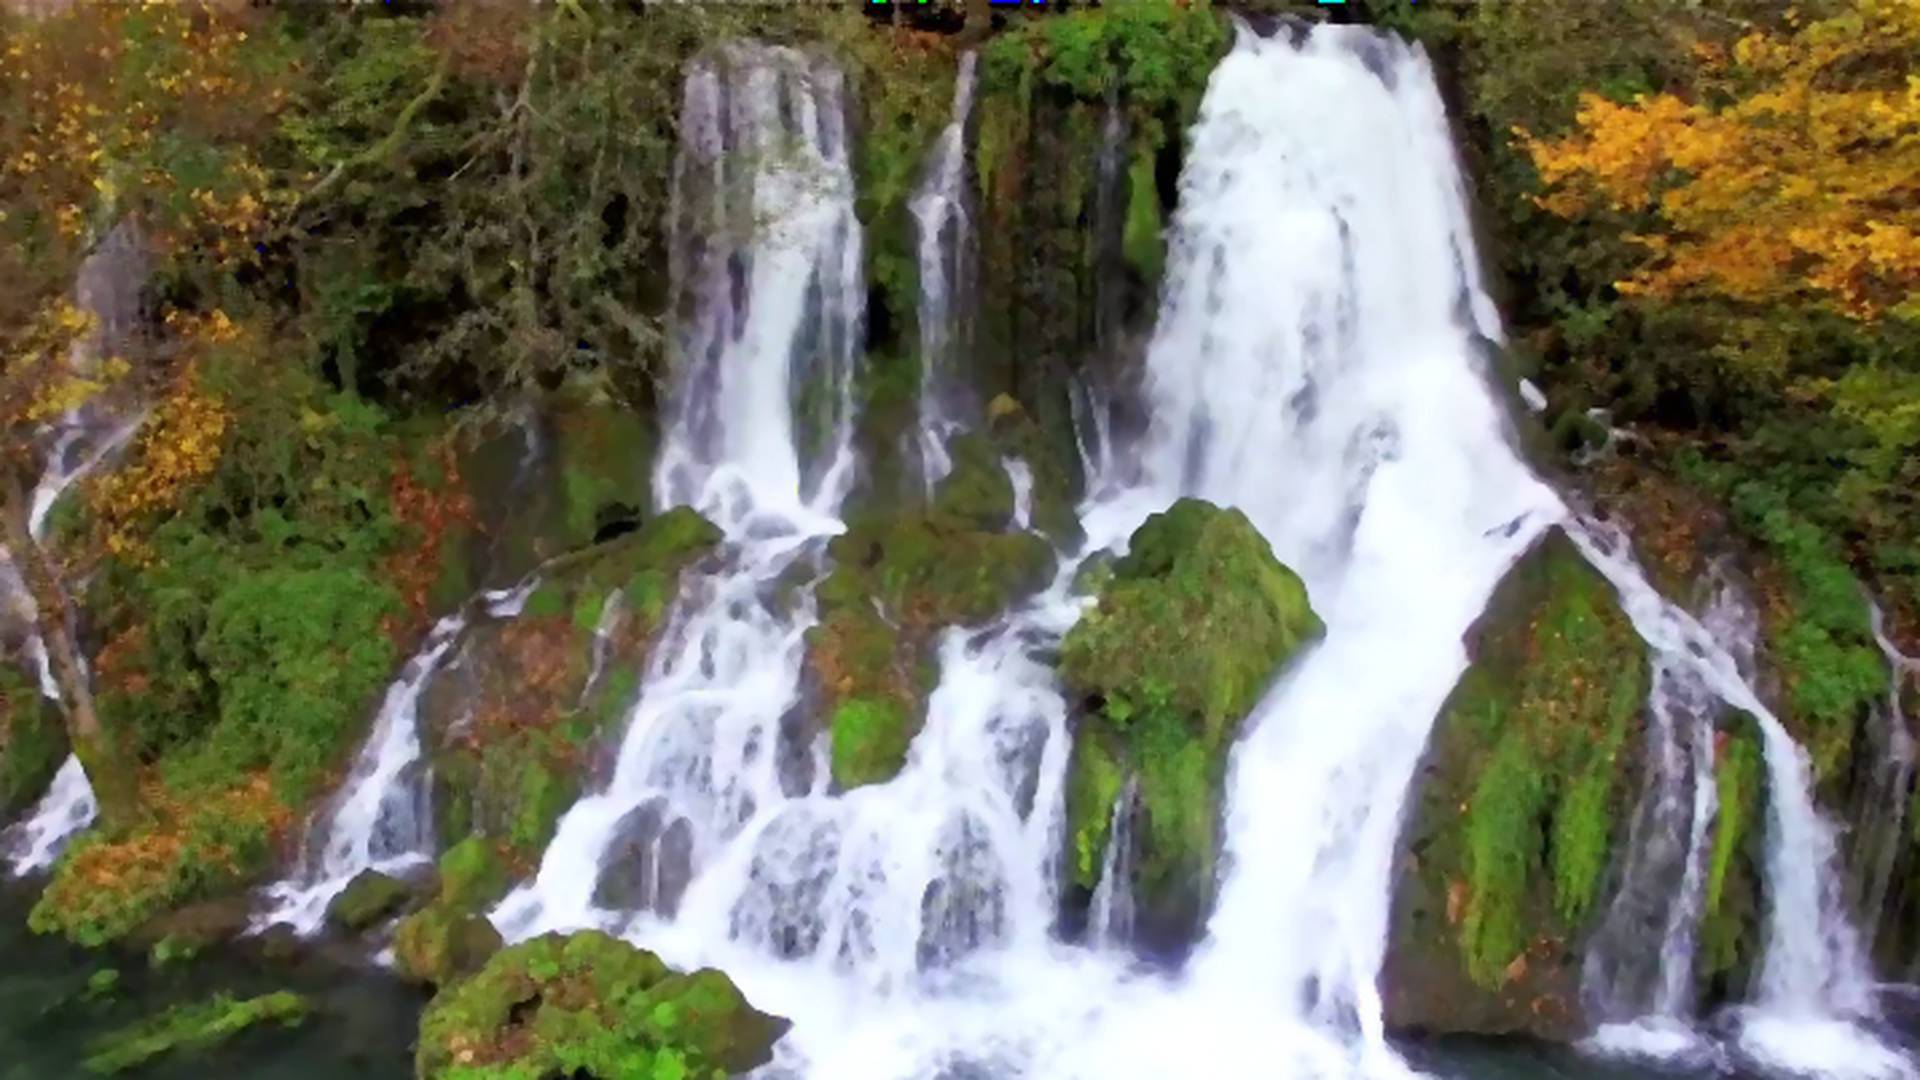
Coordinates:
[352,358]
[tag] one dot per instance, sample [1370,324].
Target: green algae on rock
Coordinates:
[899,578]
[589,1004]
[1186,634]
[192,1027]
[1512,826]
[450,937]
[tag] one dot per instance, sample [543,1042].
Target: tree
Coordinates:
[1793,175]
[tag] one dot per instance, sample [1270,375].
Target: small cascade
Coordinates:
[767,256]
[1815,991]
[944,229]
[1882,811]
[1021,477]
[68,807]
[1644,998]
[380,819]
[1110,916]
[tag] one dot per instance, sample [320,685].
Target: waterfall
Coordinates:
[380,819]
[768,312]
[1814,989]
[68,807]
[1882,811]
[1110,915]
[945,246]
[1644,997]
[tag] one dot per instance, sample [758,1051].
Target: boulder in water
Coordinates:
[370,897]
[1187,633]
[1513,823]
[590,1004]
[440,943]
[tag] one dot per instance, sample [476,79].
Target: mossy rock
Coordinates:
[1186,634]
[195,1027]
[514,723]
[370,897]
[1515,820]
[899,578]
[33,742]
[588,1004]
[441,943]
[472,874]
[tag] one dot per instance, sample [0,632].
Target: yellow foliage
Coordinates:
[1803,185]
[179,447]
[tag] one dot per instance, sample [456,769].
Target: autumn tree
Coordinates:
[1791,175]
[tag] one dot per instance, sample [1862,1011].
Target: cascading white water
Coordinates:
[67,808]
[1314,364]
[379,819]
[1883,812]
[1815,988]
[1644,997]
[767,258]
[944,232]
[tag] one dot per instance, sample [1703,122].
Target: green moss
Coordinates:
[591,1005]
[368,898]
[441,943]
[192,1028]
[899,577]
[870,741]
[33,742]
[472,874]
[1141,240]
[1093,787]
[1737,782]
[1186,634]
[1534,744]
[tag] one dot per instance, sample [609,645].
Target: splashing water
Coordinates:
[945,240]
[767,262]
[1815,994]
[380,820]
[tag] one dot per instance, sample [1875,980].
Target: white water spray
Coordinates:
[944,231]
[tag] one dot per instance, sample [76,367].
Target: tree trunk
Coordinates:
[109,769]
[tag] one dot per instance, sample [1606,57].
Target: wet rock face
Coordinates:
[649,863]
[1187,633]
[589,1004]
[515,722]
[1504,858]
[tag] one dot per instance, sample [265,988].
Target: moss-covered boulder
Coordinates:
[450,937]
[33,742]
[370,897]
[900,577]
[514,719]
[1516,813]
[194,1027]
[590,1005]
[1186,634]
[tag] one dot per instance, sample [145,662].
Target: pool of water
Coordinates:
[362,1025]
[364,1020]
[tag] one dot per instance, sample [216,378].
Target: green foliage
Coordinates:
[590,1004]
[191,1028]
[33,742]
[1093,787]
[298,656]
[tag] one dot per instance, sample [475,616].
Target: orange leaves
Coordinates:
[431,511]
[1805,187]
[180,447]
